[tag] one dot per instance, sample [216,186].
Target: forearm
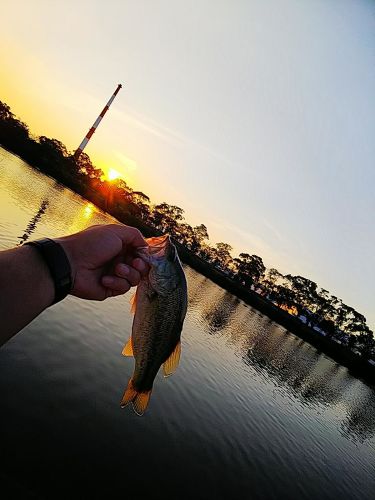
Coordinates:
[102,263]
[26,289]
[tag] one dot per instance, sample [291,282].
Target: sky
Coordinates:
[256,117]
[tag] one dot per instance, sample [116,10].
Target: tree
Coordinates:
[324,305]
[207,252]
[121,192]
[5,112]
[269,281]
[86,167]
[366,344]
[346,316]
[166,217]
[284,297]
[304,289]
[54,147]
[141,205]
[14,134]
[184,234]
[328,327]
[223,256]
[356,322]
[198,235]
[139,197]
[250,268]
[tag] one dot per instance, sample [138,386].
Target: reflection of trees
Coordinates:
[212,304]
[291,362]
[360,421]
[311,377]
[197,286]
[30,228]
[218,316]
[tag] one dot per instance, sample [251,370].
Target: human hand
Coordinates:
[103,260]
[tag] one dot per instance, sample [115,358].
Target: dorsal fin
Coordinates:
[171,364]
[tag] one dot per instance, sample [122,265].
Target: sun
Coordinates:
[113,174]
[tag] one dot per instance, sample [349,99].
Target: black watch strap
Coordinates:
[58,265]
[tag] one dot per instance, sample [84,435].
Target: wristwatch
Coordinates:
[58,264]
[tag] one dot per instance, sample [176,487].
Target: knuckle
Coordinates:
[123,286]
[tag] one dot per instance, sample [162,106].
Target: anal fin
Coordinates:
[171,364]
[128,349]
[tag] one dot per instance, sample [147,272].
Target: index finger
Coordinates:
[129,235]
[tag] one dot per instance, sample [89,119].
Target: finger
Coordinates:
[116,284]
[140,265]
[132,275]
[129,235]
[111,293]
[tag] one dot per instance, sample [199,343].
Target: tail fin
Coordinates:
[138,399]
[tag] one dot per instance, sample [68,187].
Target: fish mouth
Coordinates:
[158,244]
[157,248]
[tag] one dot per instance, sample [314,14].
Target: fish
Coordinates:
[159,306]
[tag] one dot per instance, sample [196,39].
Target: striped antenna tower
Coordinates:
[83,144]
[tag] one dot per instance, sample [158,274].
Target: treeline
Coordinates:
[303,298]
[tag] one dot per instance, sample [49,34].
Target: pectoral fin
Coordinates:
[128,349]
[171,364]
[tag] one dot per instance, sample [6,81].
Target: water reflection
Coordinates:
[293,365]
[30,228]
[82,218]
[253,410]
[360,421]
[30,194]
[218,316]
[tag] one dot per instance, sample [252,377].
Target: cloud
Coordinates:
[244,240]
[171,136]
[127,162]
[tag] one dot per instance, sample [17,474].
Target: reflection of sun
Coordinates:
[88,210]
[113,174]
[82,217]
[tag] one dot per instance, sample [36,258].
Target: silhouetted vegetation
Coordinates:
[321,312]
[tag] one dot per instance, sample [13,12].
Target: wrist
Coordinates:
[58,265]
[67,244]
[45,289]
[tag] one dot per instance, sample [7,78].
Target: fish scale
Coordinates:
[157,317]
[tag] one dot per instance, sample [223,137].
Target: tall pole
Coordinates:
[83,144]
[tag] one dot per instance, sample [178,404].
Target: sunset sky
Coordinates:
[256,117]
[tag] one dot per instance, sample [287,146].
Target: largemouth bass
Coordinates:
[159,305]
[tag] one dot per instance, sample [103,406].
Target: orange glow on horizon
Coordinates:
[291,310]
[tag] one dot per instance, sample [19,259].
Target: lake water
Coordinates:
[252,412]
